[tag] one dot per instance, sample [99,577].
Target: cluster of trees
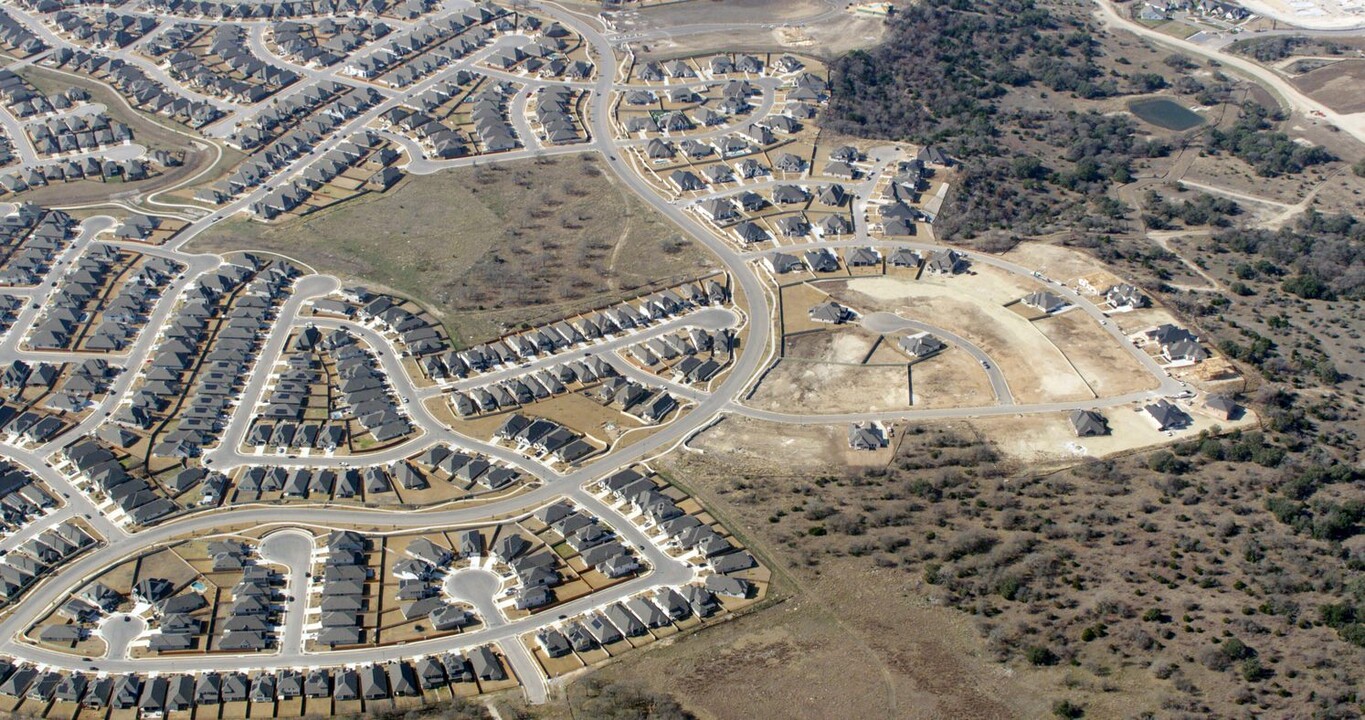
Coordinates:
[1321,256]
[1270,49]
[1347,619]
[946,61]
[938,80]
[1280,47]
[453,709]
[619,701]
[1090,153]
[1270,152]
[1204,209]
[1301,505]
[1102,148]
[1325,519]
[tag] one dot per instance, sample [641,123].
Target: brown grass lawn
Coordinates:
[488,248]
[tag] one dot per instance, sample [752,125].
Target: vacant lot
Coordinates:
[801,26]
[854,641]
[488,248]
[972,305]
[823,372]
[822,387]
[1340,86]
[1107,367]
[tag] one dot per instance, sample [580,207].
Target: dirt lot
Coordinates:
[795,449]
[972,305]
[820,387]
[1340,86]
[951,378]
[1042,441]
[810,28]
[1107,368]
[429,240]
[822,373]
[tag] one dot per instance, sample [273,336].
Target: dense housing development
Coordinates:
[230,481]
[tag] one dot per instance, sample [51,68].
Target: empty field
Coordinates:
[488,248]
[973,306]
[1340,86]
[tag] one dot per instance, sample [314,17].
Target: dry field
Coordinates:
[853,641]
[1340,86]
[1048,441]
[1242,183]
[1113,586]
[789,449]
[1106,367]
[823,373]
[950,379]
[831,35]
[972,305]
[570,240]
[819,387]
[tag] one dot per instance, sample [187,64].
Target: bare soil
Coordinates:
[973,306]
[1340,86]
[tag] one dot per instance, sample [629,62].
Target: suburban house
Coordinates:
[1166,416]
[832,313]
[1222,407]
[1045,301]
[782,263]
[867,436]
[922,345]
[946,262]
[1125,297]
[1088,423]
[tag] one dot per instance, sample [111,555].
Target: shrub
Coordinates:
[1067,709]
[1039,655]
[1252,670]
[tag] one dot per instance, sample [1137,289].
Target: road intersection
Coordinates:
[288,543]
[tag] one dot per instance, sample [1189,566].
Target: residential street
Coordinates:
[289,544]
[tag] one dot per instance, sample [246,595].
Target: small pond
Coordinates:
[1165,113]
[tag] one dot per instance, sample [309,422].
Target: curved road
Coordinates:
[884,322]
[290,546]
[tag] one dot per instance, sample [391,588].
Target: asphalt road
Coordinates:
[883,323]
[1353,125]
[290,546]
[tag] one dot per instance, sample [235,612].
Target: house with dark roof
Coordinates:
[866,436]
[922,345]
[831,312]
[1088,423]
[1045,301]
[1222,407]
[1166,416]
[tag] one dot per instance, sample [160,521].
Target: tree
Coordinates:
[1039,655]
[621,701]
[1067,710]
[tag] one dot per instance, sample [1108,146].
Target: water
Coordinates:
[1165,113]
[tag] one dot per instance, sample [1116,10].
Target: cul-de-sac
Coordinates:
[681,359]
